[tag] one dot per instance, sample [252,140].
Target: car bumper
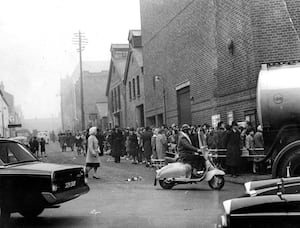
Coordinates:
[60,197]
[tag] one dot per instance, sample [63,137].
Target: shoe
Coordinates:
[96,177]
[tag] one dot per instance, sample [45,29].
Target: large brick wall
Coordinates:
[218,45]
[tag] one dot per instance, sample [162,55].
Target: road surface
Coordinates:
[115,202]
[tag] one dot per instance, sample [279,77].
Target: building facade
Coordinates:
[4,116]
[134,82]
[94,99]
[202,57]
[115,90]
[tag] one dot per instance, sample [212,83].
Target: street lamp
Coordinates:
[158,78]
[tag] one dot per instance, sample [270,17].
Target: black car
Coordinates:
[269,203]
[28,186]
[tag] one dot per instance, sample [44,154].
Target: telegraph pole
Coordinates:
[80,40]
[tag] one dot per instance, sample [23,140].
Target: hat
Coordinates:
[185,127]
[259,128]
[93,131]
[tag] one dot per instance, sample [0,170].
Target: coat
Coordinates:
[146,137]
[232,143]
[92,155]
[132,145]
[117,143]
[161,146]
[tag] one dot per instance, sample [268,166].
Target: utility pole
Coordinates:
[80,40]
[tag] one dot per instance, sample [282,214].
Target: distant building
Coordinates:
[95,101]
[43,124]
[67,102]
[13,114]
[115,88]
[134,82]
[4,117]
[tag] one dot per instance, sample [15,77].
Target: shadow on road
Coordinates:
[67,221]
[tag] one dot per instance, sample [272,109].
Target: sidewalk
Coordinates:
[246,177]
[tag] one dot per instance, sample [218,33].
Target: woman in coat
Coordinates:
[161,144]
[146,138]
[92,156]
[132,145]
[232,143]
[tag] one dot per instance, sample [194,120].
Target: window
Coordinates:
[251,117]
[230,117]
[133,88]
[112,100]
[129,90]
[138,85]
[115,99]
[215,119]
[119,98]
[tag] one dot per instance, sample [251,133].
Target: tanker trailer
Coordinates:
[278,108]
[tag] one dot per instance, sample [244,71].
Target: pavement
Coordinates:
[246,177]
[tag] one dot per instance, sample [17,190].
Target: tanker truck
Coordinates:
[278,109]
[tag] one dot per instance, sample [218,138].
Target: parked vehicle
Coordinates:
[179,173]
[268,203]
[278,109]
[28,186]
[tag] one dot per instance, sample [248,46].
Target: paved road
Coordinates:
[114,202]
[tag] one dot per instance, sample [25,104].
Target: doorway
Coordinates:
[184,106]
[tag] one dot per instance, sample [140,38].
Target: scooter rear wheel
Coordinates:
[217,182]
[165,184]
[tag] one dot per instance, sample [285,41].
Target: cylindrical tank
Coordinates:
[278,96]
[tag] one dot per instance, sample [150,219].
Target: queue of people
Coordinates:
[143,145]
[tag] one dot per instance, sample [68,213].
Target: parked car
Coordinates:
[28,186]
[268,203]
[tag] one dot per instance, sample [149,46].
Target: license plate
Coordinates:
[70,184]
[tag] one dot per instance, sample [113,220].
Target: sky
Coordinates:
[36,47]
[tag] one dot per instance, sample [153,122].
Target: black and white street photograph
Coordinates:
[150,113]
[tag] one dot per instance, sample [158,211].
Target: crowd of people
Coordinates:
[143,145]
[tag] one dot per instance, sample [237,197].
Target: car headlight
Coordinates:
[54,187]
[224,221]
[227,206]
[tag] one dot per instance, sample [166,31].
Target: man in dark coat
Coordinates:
[146,138]
[117,140]
[187,150]
[35,146]
[101,139]
[233,145]
[43,146]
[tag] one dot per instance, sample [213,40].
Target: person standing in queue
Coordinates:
[43,146]
[146,140]
[117,140]
[92,156]
[233,145]
[188,152]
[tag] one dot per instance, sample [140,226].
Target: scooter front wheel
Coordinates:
[217,182]
[165,184]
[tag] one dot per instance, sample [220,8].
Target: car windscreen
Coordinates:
[13,153]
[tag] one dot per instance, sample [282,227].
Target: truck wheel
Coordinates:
[217,182]
[31,212]
[290,165]
[165,184]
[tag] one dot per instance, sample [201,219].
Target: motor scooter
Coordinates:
[180,173]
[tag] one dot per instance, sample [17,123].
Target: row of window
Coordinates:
[135,83]
[115,99]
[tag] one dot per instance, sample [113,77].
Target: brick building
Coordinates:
[115,88]
[207,54]
[134,82]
